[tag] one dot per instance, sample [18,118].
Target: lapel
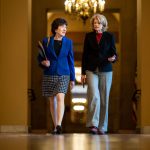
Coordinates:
[51,47]
[94,39]
[63,46]
[102,39]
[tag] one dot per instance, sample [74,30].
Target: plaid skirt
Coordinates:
[53,84]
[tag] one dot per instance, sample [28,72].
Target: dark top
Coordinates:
[57,46]
[95,55]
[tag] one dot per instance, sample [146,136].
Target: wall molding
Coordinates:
[13,129]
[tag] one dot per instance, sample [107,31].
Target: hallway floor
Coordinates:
[74,142]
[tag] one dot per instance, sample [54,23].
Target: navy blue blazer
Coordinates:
[63,64]
[97,54]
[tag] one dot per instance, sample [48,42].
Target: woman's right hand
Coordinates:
[111,59]
[45,63]
[83,78]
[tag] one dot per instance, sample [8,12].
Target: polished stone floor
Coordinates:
[74,142]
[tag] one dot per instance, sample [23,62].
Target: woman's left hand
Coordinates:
[72,83]
[111,59]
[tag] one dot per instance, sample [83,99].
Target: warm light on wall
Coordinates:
[78,89]
[79,100]
[78,108]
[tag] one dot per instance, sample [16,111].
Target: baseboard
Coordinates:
[145,130]
[126,131]
[13,129]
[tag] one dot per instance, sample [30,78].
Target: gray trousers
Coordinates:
[99,84]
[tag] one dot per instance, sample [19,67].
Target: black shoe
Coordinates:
[58,129]
[54,132]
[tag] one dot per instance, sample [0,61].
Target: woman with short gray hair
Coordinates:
[98,55]
[102,19]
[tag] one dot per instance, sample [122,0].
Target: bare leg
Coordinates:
[53,109]
[60,107]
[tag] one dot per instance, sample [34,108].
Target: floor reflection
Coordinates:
[74,142]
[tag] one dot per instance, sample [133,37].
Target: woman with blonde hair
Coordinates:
[98,55]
